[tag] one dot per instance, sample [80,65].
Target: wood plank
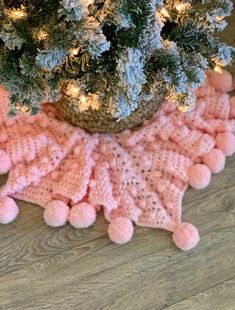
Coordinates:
[148,273]
[219,297]
[28,239]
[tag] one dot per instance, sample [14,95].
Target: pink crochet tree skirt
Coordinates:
[136,177]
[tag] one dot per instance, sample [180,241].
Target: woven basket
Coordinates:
[102,121]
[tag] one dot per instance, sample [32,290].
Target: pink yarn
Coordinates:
[82,215]
[8,210]
[3,137]
[232,107]
[226,143]
[223,82]
[120,230]
[186,236]
[199,176]
[56,213]
[5,162]
[215,160]
[138,176]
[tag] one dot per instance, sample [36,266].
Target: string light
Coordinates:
[88,2]
[182,6]
[219,18]
[218,69]
[165,12]
[94,101]
[17,13]
[83,99]
[83,103]
[22,108]
[42,35]
[72,90]
[75,51]
[184,108]
[218,65]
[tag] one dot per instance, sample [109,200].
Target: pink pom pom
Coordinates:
[5,162]
[186,236]
[215,160]
[3,137]
[8,210]
[226,143]
[56,213]
[120,230]
[199,176]
[82,215]
[223,82]
[232,107]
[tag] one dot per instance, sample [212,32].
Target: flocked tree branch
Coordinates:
[117,51]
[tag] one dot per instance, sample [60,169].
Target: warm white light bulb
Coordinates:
[72,91]
[164,12]
[184,108]
[88,2]
[179,7]
[218,69]
[83,99]
[83,103]
[75,51]
[219,18]
[94,101]
[42,35]
[17,13]
[182,6]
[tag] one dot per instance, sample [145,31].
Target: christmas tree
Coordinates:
[109,53]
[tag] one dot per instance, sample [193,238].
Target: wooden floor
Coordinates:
[65,268]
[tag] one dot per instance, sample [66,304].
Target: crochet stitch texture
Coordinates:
[138,176]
